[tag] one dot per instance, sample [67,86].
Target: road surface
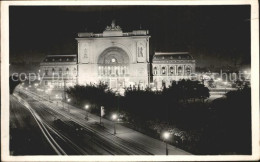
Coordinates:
[72,134]
[26,137]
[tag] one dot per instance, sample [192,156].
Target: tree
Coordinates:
[231,122]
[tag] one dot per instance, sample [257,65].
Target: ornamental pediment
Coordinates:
[113,30]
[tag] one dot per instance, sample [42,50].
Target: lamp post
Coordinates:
[102,113]
[114,118]
[86,107]
[68,100]
[166,136]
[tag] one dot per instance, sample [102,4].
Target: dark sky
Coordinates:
[214,35]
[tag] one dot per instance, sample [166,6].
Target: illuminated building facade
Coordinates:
[118,59]
[169,66]
[59,70]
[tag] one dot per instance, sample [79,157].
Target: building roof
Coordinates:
[60,58]
[160,56]
[113,31]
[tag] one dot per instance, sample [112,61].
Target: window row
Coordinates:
[60,71]
[173,70]
[112,70]
[59,83]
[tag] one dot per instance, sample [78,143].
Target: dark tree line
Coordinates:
[163,105]
[93,95]
[229,126]
[220,127]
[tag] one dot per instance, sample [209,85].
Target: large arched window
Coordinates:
[188,70]
[180,70]
[171,70]
[60,71]
[116,69]
[46,71]
[67,71]
[155,70]
[115,61]
[123,70]
[109,70]
[53,70]
[163,70]
[75,71]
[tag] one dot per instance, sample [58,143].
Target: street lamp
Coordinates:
[86,107]
[68,100]
[166,136]
[102,113]
[114,118]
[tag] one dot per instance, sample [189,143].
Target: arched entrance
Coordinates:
[113,67]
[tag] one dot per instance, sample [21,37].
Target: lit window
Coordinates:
[155,70]
[113,60]
[171,70]
[75,71]
[179,70]
[163,70]
[46,71]
[60,71]
[188,70]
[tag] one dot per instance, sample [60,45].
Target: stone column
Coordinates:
[183,70]
[168,70]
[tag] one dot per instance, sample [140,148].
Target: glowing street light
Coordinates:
[166,135]
[86,107]
[114,118]
[102,113]
[68,100]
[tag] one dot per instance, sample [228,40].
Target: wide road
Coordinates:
[76,138]
[26,137]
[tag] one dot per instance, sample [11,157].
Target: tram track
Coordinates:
[124,147]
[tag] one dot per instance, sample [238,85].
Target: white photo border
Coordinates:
[5,154]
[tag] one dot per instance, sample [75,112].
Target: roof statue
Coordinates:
[113,26]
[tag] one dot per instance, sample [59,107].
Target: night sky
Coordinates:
[214,35]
